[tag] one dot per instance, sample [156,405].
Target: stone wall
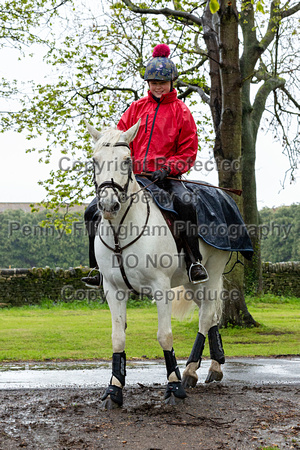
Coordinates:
[282,278]
[31,286]
[27,207]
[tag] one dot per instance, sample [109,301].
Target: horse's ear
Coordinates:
[96,135]
[130,134]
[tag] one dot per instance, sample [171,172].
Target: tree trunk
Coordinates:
[253,270]
[235,310]
[226,105]
[252,114]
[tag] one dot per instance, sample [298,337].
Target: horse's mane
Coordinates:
[108,136]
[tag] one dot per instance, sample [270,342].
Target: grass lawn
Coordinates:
[82,331]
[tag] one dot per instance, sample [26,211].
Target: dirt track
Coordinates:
[216,416]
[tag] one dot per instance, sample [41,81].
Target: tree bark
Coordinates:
[251,118]
[226,106]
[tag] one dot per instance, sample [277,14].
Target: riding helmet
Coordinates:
[161,67]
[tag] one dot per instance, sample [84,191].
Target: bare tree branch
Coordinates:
[164,11]
[192,69]
[287,93]
[291,11]
[192,88]
[276,14]
[261,97]
[110,88]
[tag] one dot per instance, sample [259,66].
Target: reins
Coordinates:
[117,249]
[233,191]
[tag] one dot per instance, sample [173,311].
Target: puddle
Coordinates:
[52,374]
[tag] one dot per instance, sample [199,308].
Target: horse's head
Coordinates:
[112,168]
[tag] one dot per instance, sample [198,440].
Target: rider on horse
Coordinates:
[166,144]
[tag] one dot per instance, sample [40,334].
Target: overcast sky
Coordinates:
[20,172]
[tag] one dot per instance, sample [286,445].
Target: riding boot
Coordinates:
[93,281]
[91,217]
[195,269]
[185,205]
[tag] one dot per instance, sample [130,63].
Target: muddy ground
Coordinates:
[215,416]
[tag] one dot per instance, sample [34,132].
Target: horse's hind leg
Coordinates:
[174,391]
[207,315]
[190,376]
[215,373]
[207,296]
[113,396]
[217,355]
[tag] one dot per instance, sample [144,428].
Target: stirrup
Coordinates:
[206,276]
[89,277]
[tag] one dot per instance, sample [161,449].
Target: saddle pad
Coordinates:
[220,223]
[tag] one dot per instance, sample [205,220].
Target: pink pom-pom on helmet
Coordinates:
[161,50]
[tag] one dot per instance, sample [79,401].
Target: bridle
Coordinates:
[123,190]
[117,188]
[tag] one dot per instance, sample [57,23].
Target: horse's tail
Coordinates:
[182,305]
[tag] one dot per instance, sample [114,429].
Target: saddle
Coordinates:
[170,219]
[220,223]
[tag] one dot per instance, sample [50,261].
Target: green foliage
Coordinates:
[214,6]
[271,299]
[280,232]
[98,65]
[21,22]
[63,242]
[98,55]
[25,243]
[268,448]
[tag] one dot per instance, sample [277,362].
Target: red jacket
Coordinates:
[167,134]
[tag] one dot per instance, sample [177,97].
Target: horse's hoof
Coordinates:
[175,389]
[213,376]
[108,404]
[189,381]
[172,400]
[112,397]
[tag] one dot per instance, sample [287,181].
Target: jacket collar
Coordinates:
[165,98]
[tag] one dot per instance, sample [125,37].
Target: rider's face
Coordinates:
[158,88]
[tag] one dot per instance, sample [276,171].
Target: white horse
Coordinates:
[136,252]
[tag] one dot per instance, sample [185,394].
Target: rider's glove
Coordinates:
[160,174]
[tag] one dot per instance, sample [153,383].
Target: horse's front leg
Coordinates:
[174,388]
[113,396]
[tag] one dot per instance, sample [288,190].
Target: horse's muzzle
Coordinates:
[109,210]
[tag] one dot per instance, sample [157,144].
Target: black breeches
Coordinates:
[185,202]
[91,217]
[185,205]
